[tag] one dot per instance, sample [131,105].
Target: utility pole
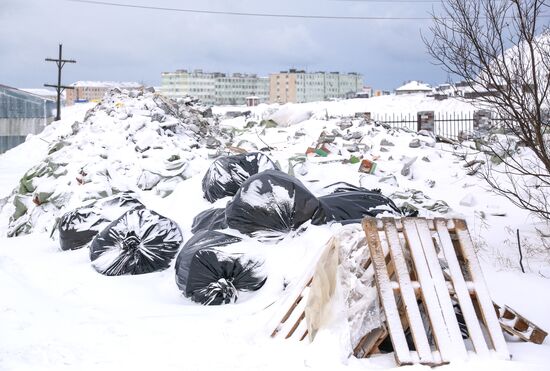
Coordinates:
[60,63]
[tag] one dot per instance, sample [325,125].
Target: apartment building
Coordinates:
[214,87]
[298,86]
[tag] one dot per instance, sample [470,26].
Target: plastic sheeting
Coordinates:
[228,173]
[353,206]
[270,204]
[212,277]
[78,227]
[140,241]
[209,220]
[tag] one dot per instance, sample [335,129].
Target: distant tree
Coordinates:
[501,49]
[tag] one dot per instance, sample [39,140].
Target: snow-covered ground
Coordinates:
[58,313]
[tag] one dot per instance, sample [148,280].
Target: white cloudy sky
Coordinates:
[125,44]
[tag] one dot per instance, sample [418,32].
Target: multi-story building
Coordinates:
[299,86]
[215,88]
[21,114]
[88,91]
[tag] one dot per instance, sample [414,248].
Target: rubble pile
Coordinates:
[130,141]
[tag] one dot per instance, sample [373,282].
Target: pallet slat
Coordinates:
[408,294]
[428,291]
[458,349]
[460,288]
[387,298]
[485,303]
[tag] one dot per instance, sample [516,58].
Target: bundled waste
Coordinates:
[270,205]
[352,205]
[209,276]
[226,174]
[78,227]
[140,241]
[131,140]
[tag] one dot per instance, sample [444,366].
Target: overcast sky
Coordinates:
[126,44]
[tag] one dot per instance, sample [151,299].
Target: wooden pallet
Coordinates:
[291,323]
[515,324]
[420,285]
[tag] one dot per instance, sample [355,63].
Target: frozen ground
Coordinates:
[58,313]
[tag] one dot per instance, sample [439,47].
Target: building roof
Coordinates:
[26,92]
[414,86]
[107,84]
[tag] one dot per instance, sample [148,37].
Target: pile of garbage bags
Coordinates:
[126,238]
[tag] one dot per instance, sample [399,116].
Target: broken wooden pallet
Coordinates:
[291,323]
[515,324]
[420,284]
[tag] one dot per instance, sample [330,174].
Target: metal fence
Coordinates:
[453,125]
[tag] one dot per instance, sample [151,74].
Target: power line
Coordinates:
[246,14]
[274,15]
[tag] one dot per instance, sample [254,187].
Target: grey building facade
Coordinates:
[22,113]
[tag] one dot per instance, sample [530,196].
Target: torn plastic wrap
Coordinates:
[227,173]
[209,220]
[209,276]
[140,241]
[270,204]
[78,227]
[352,206]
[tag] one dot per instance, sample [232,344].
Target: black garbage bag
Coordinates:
[140,241]
[270,204]
[208,220]
[341,187]
[226,174]
[212,277]
[353,206]
[78,227]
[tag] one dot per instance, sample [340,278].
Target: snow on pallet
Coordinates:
[421,284]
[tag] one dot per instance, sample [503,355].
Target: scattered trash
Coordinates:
[368,167]
[415,143]
[406,170]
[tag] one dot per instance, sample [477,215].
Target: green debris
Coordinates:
[321,153]
[354,159]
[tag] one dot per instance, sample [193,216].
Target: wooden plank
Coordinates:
[458,349]
[407,293]
[428,291]
[295,316]
[387,298]
[483,298]
[370,342]
[460,288]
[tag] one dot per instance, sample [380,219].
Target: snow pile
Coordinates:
[131,141]
[91,321]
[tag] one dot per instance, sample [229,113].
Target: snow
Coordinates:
[107,84]
[58,313]
[414,86]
